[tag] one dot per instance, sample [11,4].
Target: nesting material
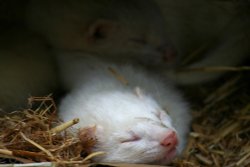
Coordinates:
[37,135]
[220,134]
[220,130]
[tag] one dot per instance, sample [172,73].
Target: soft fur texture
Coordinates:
[148,106]
[26,68]
[118,30]
[125,30]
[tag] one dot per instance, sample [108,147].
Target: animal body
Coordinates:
[206,34]
[117,30]
[26,68]
[139,118]
[214,33]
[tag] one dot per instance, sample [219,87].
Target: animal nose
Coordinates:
[170,140]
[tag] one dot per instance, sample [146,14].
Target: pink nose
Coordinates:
[170,140]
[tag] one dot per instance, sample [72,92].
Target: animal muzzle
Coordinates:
[170,140]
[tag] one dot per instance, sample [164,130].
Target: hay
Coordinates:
[221,124]
[37,135]
[220,130]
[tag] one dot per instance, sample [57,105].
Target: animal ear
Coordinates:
[87,135]
[101,29]
[88,138]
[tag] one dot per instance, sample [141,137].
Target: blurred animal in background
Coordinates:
[186,34]
[206,34]
[116,30]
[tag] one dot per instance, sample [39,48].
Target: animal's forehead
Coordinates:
[143,129]
[130,103]
[139,122]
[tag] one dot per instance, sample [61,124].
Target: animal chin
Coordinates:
[167,157]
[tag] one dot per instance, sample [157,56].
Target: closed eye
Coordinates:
[150,120]
[133,138]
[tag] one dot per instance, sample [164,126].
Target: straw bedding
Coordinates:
[37,135]
[221,121]
[220,134]
[219,137]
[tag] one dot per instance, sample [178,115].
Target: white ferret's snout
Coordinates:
[170,141]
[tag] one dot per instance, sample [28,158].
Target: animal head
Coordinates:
[115,29]
[130,128]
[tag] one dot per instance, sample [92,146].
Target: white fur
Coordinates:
[134,30]
[98,98]
[124,30]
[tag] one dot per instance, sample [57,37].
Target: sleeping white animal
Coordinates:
[139,118]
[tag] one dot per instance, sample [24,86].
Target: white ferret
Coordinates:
[26,68]
[139,117]
[213,32]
